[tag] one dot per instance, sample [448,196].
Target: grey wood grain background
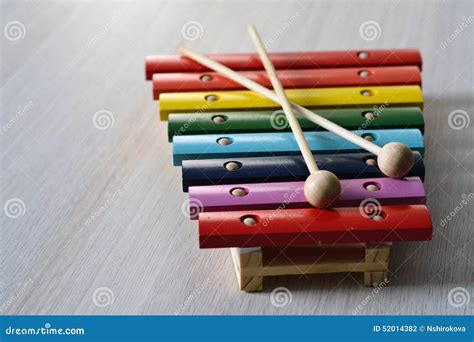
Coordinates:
[92,220]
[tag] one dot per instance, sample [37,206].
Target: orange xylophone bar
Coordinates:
[288,60]
[290,79]
[300,227]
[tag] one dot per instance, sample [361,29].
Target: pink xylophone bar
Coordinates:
[234,197]
[288,60]
[290,79]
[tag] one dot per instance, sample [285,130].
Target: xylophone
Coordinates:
[244,164]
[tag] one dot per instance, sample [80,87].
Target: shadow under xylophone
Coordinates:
[245,174]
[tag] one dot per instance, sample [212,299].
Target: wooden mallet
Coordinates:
[321,188]
[394,159]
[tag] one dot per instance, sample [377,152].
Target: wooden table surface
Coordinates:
[92,220]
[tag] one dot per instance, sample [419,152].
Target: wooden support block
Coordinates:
[377,254]
[253,265]
[248,267]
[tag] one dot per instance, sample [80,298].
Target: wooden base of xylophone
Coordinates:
[252,265]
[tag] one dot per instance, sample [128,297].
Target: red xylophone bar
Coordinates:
[288,60]
[290,79]
[300,227]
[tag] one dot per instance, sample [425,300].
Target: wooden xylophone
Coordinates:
[244,172]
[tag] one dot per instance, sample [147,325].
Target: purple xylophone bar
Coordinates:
[286,195]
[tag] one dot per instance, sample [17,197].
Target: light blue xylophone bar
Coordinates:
[283,143]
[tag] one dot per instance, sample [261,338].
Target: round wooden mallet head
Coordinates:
[395,160]
[322,189]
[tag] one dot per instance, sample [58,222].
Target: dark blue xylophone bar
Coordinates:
[282,169]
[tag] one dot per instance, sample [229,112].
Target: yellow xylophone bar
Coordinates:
[312,98]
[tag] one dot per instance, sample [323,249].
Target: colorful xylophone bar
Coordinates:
[291,79]
[309,226]
[233,197]
[283,169]
[213,146]
[244,171]
[288,60]
[409,96]
[275,121]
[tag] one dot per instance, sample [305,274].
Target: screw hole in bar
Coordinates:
[249,220]
[206,78]
[368,136]
[371,161]
[380,216]
[239,192]
[211,98]
[369,115]
[232,165]
[224,141]
[219,118]
[372,186]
